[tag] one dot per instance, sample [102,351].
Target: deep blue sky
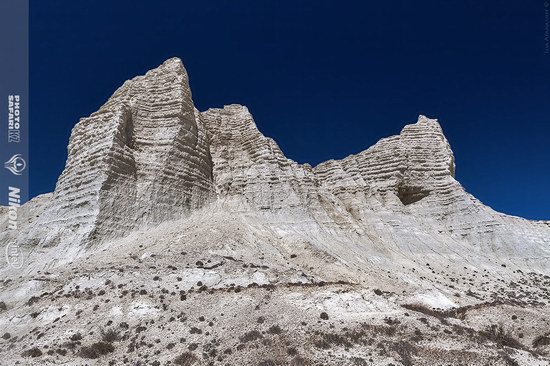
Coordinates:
[323,78]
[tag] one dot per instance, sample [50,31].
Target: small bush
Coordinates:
[76,337]
[3,306]
[267,363]
[292,351]
[543,340]
[250,336]
[500,336]
[195,330]
[509,360]
[109,335]
[298,361]
[275,329]
[330,339]
[33,352]
[405,350]
[96,350]
[32,300]
[186,359]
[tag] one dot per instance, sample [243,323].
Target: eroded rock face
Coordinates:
[143,158]
[148,156]
[247,165]
[401,192]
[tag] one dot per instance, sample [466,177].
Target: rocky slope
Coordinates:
[176,237]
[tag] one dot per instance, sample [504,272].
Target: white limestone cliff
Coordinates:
[142,159]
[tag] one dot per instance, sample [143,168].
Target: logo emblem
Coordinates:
[14,256]
[16,164]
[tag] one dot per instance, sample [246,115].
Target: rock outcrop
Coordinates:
[401,192]
[142,159]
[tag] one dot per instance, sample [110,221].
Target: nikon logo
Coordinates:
[14,201]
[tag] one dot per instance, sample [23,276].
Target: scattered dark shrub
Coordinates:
[32,300]
[292,351]
[298,361]
[267,363]
[324,316]
[33,352]
[96,350]
[250,336]
[543,340]
[391,321]
[275,329]
[186,359]
[76,337]
[109,335]
[500,336]
[509,360]
[330,339]
[357,361]
[405,350]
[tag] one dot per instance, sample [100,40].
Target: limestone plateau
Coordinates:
[179,237]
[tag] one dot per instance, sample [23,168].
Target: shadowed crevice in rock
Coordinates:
[410,194]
